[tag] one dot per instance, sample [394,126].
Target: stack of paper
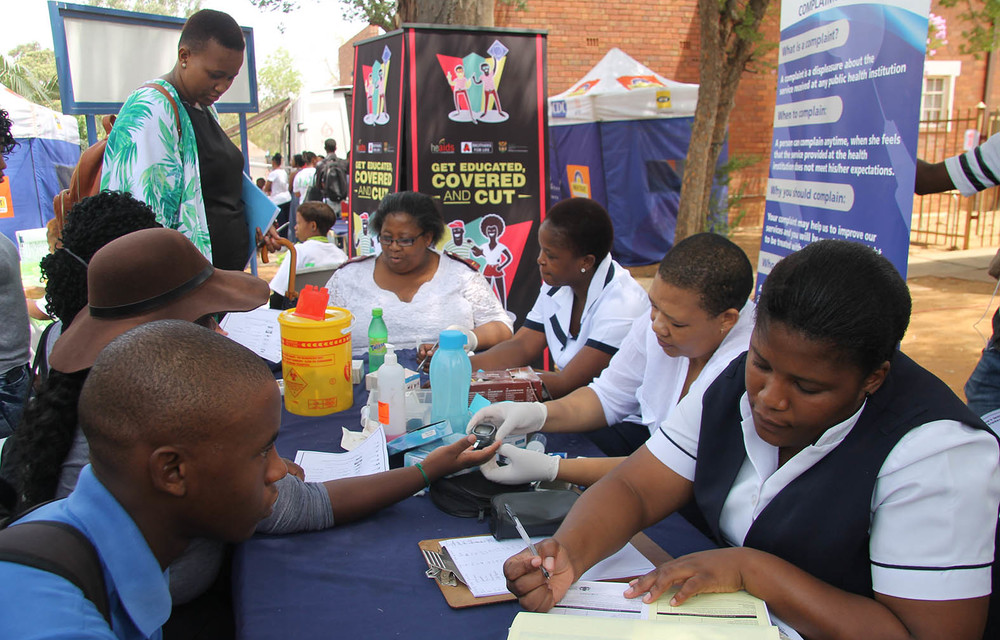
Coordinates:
[707,616]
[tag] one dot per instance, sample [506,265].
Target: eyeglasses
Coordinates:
[386,241]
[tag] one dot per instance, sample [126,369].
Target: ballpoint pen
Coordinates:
[524,536]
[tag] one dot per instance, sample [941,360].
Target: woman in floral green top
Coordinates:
[192,181]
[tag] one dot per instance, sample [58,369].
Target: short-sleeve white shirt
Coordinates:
[614,301]
[455,295]
[309,254]
[302,181]
[279,186]
[644,383]
[933,509]
[977,169]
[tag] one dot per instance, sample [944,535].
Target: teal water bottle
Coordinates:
[451,375]
[378,335]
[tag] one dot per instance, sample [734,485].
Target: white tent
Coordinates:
[39,167]
[619,87]
[620,136]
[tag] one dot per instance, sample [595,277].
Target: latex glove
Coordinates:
[523,465]
[471,341]
[512,418]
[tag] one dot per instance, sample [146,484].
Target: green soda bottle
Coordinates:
[378,335]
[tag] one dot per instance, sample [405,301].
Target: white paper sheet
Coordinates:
[256,330]
[480,561]
[367,458]
[604,599]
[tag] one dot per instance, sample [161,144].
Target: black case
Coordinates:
[540,512]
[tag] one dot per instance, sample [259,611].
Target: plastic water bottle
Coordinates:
[451,375]
[391,407]
[378,335]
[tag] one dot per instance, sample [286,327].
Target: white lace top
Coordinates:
[455,295]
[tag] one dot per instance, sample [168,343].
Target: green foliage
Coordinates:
[980,19]
[30,71]
[276,80]
[380,13]
[724,218]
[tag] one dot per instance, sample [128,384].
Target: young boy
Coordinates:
[181,424]
[313,221]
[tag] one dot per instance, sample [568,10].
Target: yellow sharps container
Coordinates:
[316,362]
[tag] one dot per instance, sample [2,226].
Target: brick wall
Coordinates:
[664,37]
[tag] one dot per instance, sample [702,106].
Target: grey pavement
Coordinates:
[970,264]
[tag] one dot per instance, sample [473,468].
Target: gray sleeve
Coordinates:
[77,458]
[301,506]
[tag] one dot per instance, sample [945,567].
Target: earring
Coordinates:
[184,65]
[583,270]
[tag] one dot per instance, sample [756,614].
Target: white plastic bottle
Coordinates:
[391,408]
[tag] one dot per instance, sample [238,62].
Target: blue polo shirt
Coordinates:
[39,604]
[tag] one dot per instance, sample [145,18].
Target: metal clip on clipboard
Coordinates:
[441,567]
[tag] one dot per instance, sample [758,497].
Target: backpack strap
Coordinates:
[173,103]
[61,549]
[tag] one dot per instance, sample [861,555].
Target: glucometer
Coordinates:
[485,433]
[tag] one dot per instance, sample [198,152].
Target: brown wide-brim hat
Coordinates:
[147,275]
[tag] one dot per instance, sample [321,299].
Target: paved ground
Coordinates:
[952,306]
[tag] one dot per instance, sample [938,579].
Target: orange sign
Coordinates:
[6,202]
[579,180]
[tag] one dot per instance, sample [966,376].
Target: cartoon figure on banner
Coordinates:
[376,77]
[496,253]
[474,82]
[489,90]
[459,244]
[363,243]
[459,91]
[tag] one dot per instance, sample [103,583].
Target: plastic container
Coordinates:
[451,374]
[316,362]
[378,335]
[391,405]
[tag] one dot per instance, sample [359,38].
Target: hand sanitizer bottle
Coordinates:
[391,410]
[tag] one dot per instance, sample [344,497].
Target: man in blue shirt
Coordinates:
[181,424]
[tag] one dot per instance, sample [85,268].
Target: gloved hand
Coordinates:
[523,465]
[512,418]
[471,341]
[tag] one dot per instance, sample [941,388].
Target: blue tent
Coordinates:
[620,136]
[39,167]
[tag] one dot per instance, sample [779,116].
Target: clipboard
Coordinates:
[459,596]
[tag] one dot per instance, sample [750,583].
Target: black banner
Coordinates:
[477,140]
[376,132]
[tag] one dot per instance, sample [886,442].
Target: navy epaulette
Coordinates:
[472,264]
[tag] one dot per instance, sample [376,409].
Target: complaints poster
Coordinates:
[843,157]
[476,137]
[376,132]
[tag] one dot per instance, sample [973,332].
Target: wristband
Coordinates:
[427,481]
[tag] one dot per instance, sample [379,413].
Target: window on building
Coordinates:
[937,98]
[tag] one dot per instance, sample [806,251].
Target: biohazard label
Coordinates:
[294,383]
[322,403]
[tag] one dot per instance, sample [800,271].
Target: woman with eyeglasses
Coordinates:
[421,291]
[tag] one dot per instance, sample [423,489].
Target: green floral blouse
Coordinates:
[144,157]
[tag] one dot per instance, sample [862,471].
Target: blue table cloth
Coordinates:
[366,579]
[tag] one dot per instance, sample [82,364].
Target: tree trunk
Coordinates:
[725,54]
[469,12]
[693,206]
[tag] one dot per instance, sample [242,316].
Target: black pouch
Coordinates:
[540,512]
[469,495]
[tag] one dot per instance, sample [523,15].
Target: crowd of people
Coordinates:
[844,484]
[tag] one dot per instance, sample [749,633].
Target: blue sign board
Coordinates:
[843,157]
